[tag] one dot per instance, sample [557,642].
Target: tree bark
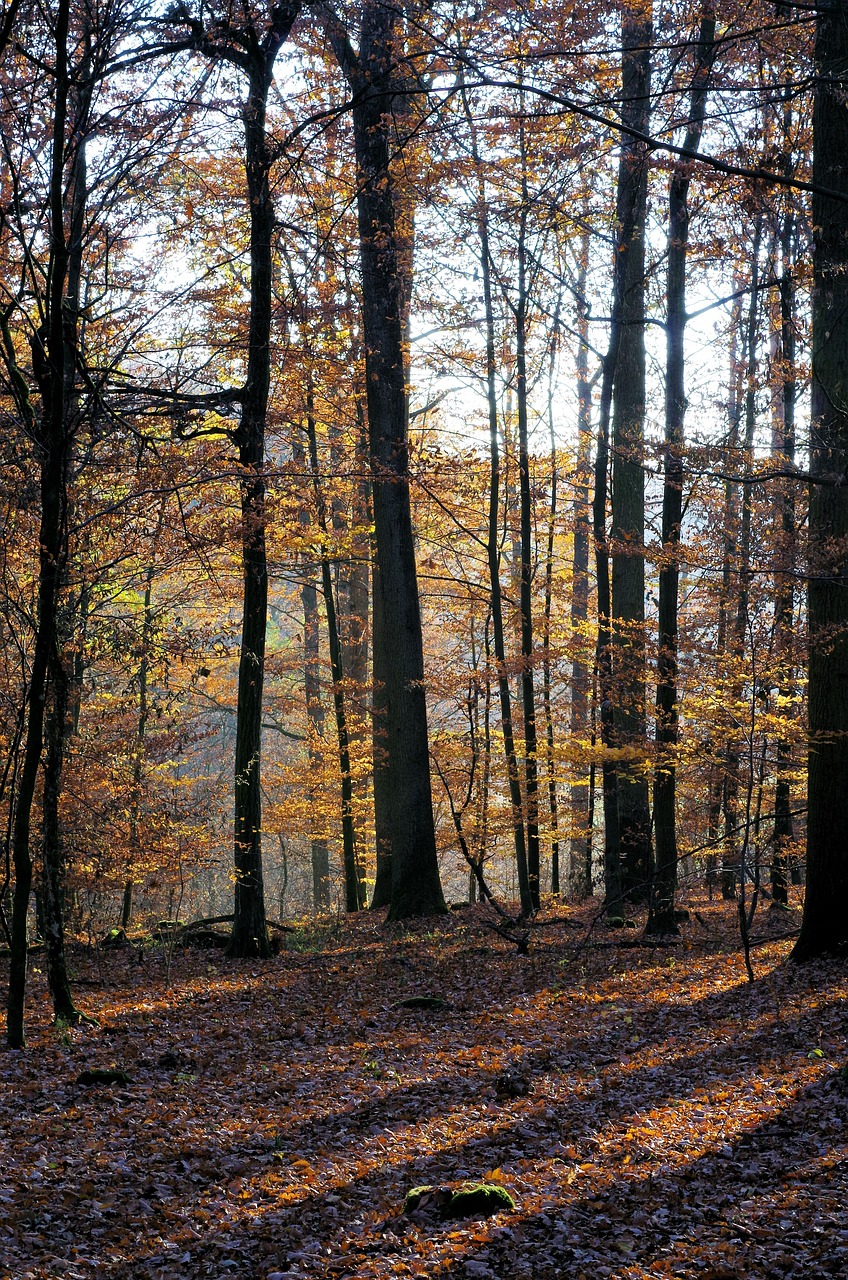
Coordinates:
[372,73]
[49,356]
[580,853]
[493,552]
[661,915]
[824,929]
[627,535]
[253,52]
[528,695]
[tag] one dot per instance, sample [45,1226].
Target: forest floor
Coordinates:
[678,1120]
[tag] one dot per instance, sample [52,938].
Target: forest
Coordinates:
[424,577]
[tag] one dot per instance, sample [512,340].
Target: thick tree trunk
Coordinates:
[627,536]
[661,916]
[824,929]
[416,888]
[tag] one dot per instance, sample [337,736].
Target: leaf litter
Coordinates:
[651,1113]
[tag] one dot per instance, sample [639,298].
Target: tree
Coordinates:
[252,48]
[373,74]
[50,428]
[627,527]
[665,818]
[824,929]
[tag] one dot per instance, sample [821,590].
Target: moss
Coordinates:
[478,1199]
[470,1199]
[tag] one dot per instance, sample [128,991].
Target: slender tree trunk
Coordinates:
[553,801]
[250,933]
[730,533]
[53,877]
[493,537]
[147,623]
[255,53]
[580,877]
[627,535]
[354,884]
[824,929]
[528,695]
[315,718]
[786,542]
[661,917]
[743,580]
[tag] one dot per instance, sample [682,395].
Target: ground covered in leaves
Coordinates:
[651,1112]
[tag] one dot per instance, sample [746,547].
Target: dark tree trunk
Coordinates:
[528,695]
[824,929]
[784,587]
[661,916]
[254,52]
[730,535]
[49,356]
[627,536]
[53,860]
[382,894]
[416,888]
[250,933]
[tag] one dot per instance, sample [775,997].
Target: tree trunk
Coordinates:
[354,885]
[580,853]
[528,696]
[824,929]
[383,825]
[53,860]
[553,799]
[627,536]
[785,540]
[493,554]
[254,52]
[49,356]
[661,916]
[416,889]
[250,933]
[315,718]
[733,870]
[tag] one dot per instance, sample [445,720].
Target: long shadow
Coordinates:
[425,1101]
